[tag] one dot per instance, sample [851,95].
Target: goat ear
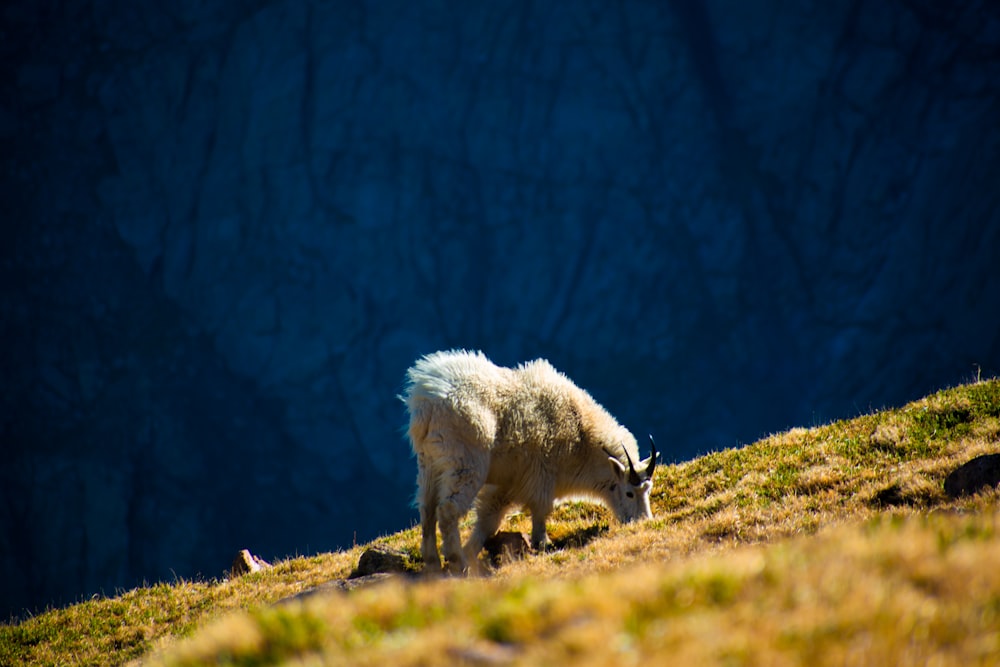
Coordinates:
[617,468]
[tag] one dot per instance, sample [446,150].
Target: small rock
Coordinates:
[973,476]
[890,496]
[365,581]
[483,654]
[507,546]
[338,586]
[379,560]
[245,562]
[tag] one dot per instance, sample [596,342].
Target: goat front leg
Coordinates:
[539,513]
[491,505]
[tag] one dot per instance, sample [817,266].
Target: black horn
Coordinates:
[633,476]
[651,466]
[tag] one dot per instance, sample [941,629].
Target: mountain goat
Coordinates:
[511,436]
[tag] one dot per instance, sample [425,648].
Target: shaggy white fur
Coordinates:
[502,437]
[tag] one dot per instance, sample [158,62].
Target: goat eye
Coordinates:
[630,494]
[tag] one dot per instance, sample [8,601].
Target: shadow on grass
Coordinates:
[579,538]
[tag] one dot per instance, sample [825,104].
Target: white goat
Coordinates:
[513,436]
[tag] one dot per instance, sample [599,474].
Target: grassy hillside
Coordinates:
[829,545]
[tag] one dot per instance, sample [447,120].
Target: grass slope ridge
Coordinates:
[829,545]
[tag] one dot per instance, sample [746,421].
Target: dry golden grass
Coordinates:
[831,545]
[104,631]
[900,590]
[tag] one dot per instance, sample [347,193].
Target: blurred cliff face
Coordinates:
[230,227]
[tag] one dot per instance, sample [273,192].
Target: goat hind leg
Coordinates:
[458,490]
[427,498]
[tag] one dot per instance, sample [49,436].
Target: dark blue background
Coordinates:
[229,228]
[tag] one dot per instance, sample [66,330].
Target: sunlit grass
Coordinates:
[830,545]
[892,590]
[115,630]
